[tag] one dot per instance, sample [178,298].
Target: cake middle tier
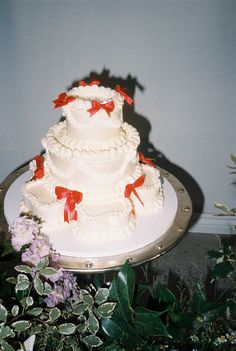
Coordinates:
[83,165]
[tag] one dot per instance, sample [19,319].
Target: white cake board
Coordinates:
[150,230]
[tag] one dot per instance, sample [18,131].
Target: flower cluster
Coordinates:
[34,246]
[23,230]
[63,289]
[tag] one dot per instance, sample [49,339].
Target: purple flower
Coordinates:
[38,249]
[62,290]
[23,231]
[57,276]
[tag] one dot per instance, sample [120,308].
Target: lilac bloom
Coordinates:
[23,231]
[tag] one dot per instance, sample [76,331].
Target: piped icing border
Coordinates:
[58,140]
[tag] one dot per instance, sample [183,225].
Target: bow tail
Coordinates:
[70,212]
[137,195]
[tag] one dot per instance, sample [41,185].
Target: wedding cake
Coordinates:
[91,179]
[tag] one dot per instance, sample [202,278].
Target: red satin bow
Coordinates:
[96,106]
[93,82]
[39,171]
[72,197]
[127,98]
[130,188]
[62,100]
[148,161]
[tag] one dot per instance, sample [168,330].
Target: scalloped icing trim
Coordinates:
[92,92]
[58,141]
[101,178]
[49,182]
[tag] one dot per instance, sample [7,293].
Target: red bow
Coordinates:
[130,188]
[96,106]
[39,171]
[148,161]
[72,197]
[127,98]
[63,99]
[93,82]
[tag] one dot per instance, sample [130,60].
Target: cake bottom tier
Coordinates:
[148,228]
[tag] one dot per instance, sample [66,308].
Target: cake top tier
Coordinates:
[93,111]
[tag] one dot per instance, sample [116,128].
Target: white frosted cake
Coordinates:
[91,179]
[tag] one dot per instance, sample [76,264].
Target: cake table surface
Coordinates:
[154,234]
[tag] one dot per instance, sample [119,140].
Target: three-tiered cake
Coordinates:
[91,179]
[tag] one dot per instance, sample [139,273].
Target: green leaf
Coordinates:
[5,332]
[54,314]
[48,271]
[213,310]
[21,325]
[148,323]
[35,311]
[86,297]
[93,325]
[79,309]
[124,334]
[43,263]
[105,310]
[23,269]
[47,288]
[27,301]
[101,295]
[23,285]
[222,207]
[6,346]
[15,310]
[92,341]
[67,328]
[12,280]
[82,328]
[215,254]
[38,285]
[3,313]
[222,270]
[122,291]
[21,277]
[162,294]
[198,301]
[183,319]
[140,290]
[113,330]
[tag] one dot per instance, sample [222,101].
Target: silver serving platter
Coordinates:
[102,263]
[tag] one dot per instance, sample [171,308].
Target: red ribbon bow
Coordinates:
[93,82]
[130,188]
[39,171]
[96,106]
[72,197]
[148,161]
[127,98]
[63,99]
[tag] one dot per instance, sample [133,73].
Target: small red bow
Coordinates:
[72,197]
[93,82]
[130,188]
[96,106]
[127,98]
[148,161]
[63,99]
[39,171]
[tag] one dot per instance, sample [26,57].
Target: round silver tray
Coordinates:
[101,263]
